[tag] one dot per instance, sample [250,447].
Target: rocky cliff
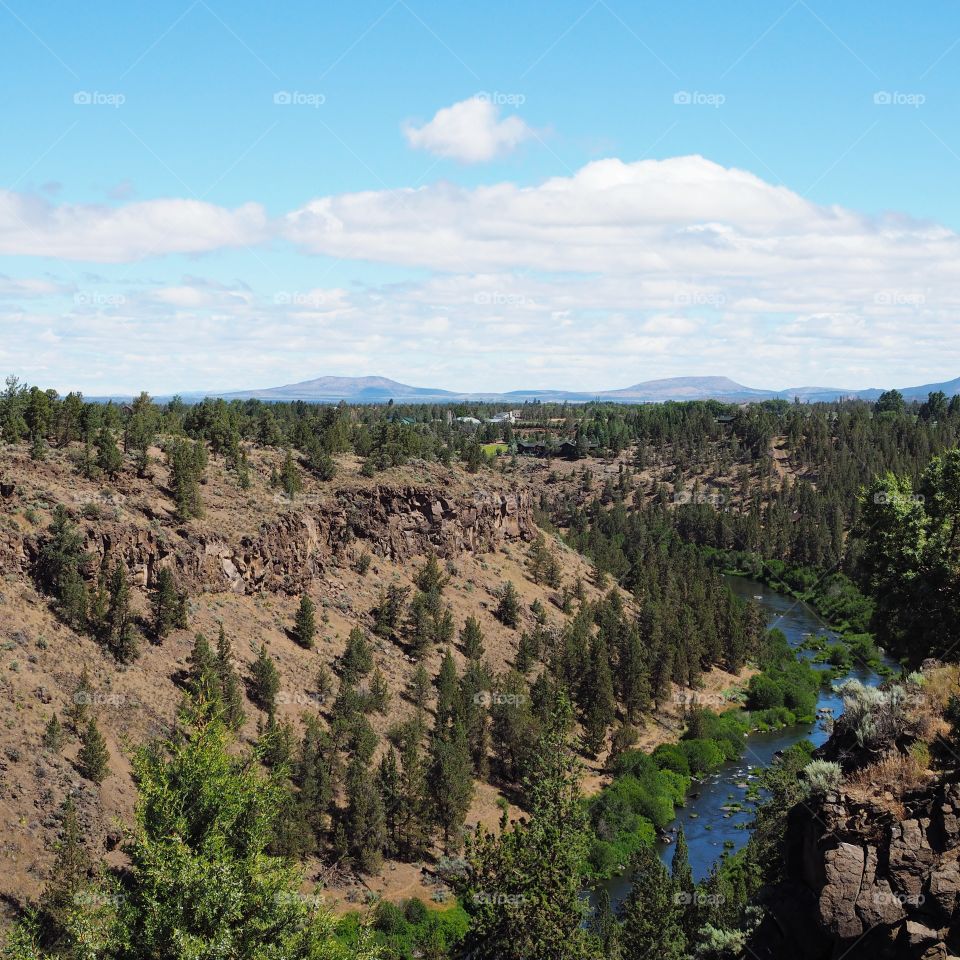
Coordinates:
[294,546]
[864,884]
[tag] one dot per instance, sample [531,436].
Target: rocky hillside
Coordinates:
[873,864]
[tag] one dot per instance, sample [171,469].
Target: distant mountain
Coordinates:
[354,389]
[382,389]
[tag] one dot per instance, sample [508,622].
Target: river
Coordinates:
[711,819]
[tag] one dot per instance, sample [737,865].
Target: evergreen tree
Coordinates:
[364,820]
[508,608]
[169,605]
[522,888]
[187,463]
[93,760]
[305,626]
[118,630]
[54,736]
[58,568]
[651,916]
[357,660]
[78,712]
[683,886]
[71,874]
[471,639]
[203,677]
[109,458]
[231,692]
[450,783]
[264,681]
[290,477]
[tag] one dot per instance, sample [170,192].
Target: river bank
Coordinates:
[719,808]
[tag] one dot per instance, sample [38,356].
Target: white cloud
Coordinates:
[470,131]
[119,234]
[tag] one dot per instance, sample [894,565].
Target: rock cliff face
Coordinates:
[288,551]
[862,884]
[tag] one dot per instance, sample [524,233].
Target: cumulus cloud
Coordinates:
[118,234]
[470,131]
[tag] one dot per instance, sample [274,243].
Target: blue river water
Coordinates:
[717,813]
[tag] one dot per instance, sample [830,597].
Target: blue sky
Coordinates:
[576,195]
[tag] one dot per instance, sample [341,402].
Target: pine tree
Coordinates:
[118,632]
[109,458]
[72,872]
[684,888]
[169,606]
[508,609]
[187,463]
[264,681]
[54,736]
[471,639]
[447,691]
[58,569]
[203,678]
[419,689]
[379,695]
[522,888]
[430,578]
[93,761]
[411,815]
[388,783]
[651,915]
[305,626]
[364,819]
[290,477]
[231,691]
[357,660]
[450,783]
[78,711]
[599,705]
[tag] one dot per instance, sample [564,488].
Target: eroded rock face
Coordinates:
[868,886]
[398,523]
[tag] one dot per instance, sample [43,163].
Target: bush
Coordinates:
[703,756]
[668,756]
[819,776]
[873,717]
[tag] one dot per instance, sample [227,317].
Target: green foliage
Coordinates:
[508,607]
[305,625]
[264,681]
[93,760]
[169,605]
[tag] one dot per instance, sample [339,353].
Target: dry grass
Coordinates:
[887,781]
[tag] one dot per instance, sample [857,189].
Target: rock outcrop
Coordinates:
[293,547]
[862,884]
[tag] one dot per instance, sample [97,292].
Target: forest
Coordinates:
[863,525]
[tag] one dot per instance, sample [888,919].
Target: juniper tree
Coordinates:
[58,568]
[109,458]
[203,677]
[187,462]
[78,711]
[357,659]
[379,695]
[522,888]
[651,928]
[450,782]
[72,872]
